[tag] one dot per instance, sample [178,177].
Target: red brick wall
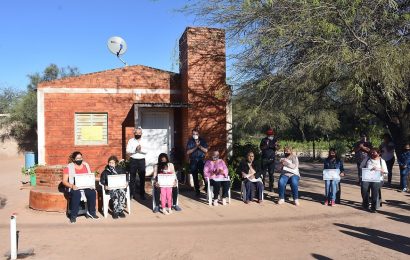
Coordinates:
[203,76]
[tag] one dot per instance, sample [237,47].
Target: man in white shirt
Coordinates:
[136,148]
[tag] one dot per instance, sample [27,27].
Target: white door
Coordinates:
[157,133]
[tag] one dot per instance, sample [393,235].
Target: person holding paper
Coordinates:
[404,164]
[78,166]
[268,146]
[136,149]
[361,149]
[387,152]
[332,162]
[117,195]
[216,171]
[376,165]
[251,176]
[164,167]
[289,173]
[163,159]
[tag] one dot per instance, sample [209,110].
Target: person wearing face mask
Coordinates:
[75,166]
[136,148]
[268,146]
[196,150]
[289,173]
[404,164]
[361,149]
[376,163]
[163,161]
[332,162]
[215,170]
[251,176]
[118,195]
[387,151]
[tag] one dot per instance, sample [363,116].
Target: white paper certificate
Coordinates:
[370,175]
[294,171]
[85,181]
[166,180]
[117,181]
[220,178]
[331,174]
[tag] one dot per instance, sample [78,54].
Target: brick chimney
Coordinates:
[203,79]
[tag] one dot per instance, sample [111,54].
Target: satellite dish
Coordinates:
[117,46]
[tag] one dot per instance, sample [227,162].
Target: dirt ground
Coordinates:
[236,231]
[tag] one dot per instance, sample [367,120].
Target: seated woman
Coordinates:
[117,195]
[78,166]
[215,170]
[375,163]
[289,173]
[331,186]
[251,176]
[163,158]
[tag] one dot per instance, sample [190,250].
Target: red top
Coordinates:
[77,171]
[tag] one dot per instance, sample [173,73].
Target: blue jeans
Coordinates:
[403,178]
[294,183]
[331,189]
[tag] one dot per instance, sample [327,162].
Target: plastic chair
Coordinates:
[153,194]
[106,200]
[210,192]
[243,192]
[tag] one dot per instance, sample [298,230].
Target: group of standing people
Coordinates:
[215,170]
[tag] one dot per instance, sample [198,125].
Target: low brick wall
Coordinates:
[49,176]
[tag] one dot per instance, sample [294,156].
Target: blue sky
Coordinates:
[36,33]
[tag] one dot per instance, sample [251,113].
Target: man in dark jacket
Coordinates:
[268,146]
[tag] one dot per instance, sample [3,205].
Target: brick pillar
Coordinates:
[203,81]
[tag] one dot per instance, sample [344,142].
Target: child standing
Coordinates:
[166,192]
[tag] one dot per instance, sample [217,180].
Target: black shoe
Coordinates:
[373,211]
[73,220]
[93,216]
[121,215]
[156,209]
[176,208]
[115,215]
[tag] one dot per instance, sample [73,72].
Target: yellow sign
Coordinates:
[92,133]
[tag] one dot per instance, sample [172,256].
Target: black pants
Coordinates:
[389,165]
[374,187]
[157,191]
[217,187]
[268,165]
[197,167]
[249,190]
[137,165]
[76,199]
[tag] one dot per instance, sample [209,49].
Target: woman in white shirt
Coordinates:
[375,163]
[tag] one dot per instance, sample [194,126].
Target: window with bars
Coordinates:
[91,129]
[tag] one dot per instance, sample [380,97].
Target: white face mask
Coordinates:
[270,137]
[195,137]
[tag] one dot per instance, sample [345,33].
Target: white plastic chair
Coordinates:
[243,192]
[153,194]
[210,192]
[106,200]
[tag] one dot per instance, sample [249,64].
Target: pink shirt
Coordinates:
[211,169]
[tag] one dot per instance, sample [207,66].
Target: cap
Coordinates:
[270,131]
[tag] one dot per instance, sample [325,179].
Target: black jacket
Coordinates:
[244,167]
[107,171]
[268,148]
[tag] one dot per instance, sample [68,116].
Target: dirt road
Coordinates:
[236,231]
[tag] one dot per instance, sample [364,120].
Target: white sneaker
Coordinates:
[169,211]
[165,211]
[215,202]
[297,202]
[281,201]
[224,202]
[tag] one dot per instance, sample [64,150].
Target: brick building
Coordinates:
[96,113]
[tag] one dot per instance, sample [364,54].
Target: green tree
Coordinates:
[7,97]
[338,51]
[21,125]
